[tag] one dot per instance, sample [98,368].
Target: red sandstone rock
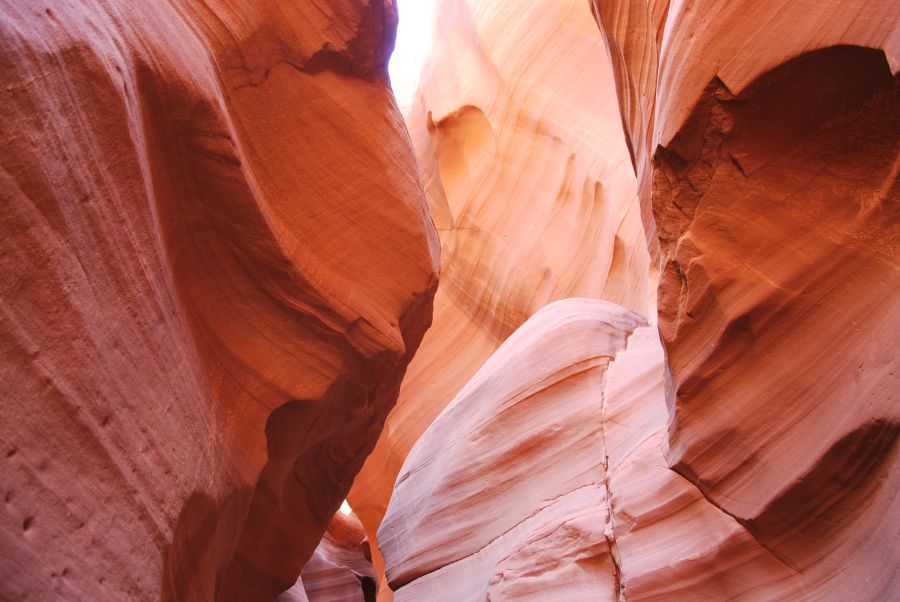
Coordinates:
[555,486]
[665,53]
[767,469]
[340,569]
[518,138]
[770,176]
[779,310]
[216,264]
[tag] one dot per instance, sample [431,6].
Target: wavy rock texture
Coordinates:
[216,265]
[340,570]
[779,311]
[218,262]
[505,495]
[768,144]
[759,460]
[556,486]
[519,142]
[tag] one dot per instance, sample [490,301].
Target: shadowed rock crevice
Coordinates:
[300,474]
[368,587]
[610,529]
[802,524]
[203,535]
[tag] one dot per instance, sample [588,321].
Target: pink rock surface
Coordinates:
[216,263]
[557,485]
[340,570]
[505,493]
[518,139]
[766,467]
[663,363]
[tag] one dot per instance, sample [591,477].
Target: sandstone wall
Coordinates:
[217,261]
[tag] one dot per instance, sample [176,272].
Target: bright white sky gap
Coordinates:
[414,35]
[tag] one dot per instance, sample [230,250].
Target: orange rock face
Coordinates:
[533,194]
[663,361]
[772,185]
[216,263]
[779,310]
[761,456]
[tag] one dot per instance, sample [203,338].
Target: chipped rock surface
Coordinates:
[767,141]
[666,52]
[663,357]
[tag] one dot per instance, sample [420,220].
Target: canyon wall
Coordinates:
[663,356]
[217,262]
[518,139]
[758,459]
[545,478]
[769,148]
[505,495]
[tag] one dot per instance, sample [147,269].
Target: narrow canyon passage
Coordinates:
[450,300]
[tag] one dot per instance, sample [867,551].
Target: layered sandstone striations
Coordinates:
[518,139]
[216,264]
[768,139]
[758,460]
[506,495]
[555,485]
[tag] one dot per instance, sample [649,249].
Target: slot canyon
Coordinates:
[595,300]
